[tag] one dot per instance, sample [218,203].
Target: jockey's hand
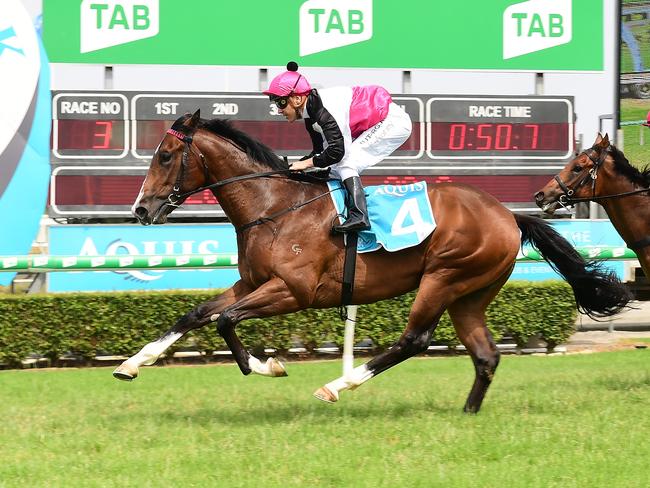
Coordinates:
[300,165]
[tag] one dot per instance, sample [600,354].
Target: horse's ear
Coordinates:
[599,138]
[195,119]
[605,142]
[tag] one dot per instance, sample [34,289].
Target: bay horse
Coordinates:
[289,260]
[603,174]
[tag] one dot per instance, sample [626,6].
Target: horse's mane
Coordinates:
[254,149]
[623,167]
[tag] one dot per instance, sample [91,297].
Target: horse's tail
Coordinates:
[598,292]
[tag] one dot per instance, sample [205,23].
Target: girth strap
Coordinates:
[349,267]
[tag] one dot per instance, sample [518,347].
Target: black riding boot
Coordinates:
[357,211]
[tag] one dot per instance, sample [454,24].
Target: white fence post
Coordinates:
[348,340]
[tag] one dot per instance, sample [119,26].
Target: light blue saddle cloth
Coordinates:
[400,215]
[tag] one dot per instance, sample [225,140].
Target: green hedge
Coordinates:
[121,323]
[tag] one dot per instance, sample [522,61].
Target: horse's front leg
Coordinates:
[203,314]
[272,298]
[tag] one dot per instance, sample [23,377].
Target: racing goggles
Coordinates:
[280,102]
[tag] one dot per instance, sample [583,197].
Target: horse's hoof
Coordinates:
[126,372]
[324,394]
[276,368]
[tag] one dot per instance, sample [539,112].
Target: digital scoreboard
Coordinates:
[102,143]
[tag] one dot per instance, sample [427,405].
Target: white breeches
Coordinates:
[373,145]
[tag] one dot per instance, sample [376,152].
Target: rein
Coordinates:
[270,218]
[571,201]
[175,197]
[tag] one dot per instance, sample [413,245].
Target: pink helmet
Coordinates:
[288,83]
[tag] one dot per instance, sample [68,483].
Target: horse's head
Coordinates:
[577,179]
[177,169]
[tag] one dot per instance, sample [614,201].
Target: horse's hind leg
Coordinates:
[203,314]
[426,311]
[468,316]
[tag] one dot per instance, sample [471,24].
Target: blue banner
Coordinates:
[170,239]
[25,123]
[95,240]
[581,233]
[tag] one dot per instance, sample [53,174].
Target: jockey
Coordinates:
[351,128]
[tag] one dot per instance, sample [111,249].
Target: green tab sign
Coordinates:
[530,35]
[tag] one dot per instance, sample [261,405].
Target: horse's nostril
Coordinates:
[539,196]
[141,213]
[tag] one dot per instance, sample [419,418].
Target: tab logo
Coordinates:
[536,25]
[328,24]
[106,23]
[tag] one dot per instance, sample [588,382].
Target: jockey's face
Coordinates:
[293,109]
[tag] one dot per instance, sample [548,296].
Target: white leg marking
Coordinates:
[355,378]
[256,365]
[266,369]
[214,317]
[152,351]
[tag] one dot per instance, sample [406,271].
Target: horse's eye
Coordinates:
[164,157]
[577,169]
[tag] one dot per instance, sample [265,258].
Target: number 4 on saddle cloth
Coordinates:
[400,215]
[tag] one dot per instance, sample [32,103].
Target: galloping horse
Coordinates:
[603,174]
[289,260]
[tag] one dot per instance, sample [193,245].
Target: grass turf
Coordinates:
[577,420]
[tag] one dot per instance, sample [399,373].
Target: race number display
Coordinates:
[90,127]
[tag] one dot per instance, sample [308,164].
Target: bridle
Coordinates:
[567,197]
[175,198]
[592,174]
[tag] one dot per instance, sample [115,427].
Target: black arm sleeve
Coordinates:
[331,132]
[335,149]
[316,141]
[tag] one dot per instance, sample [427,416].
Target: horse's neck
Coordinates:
[630,215]
[248,200]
